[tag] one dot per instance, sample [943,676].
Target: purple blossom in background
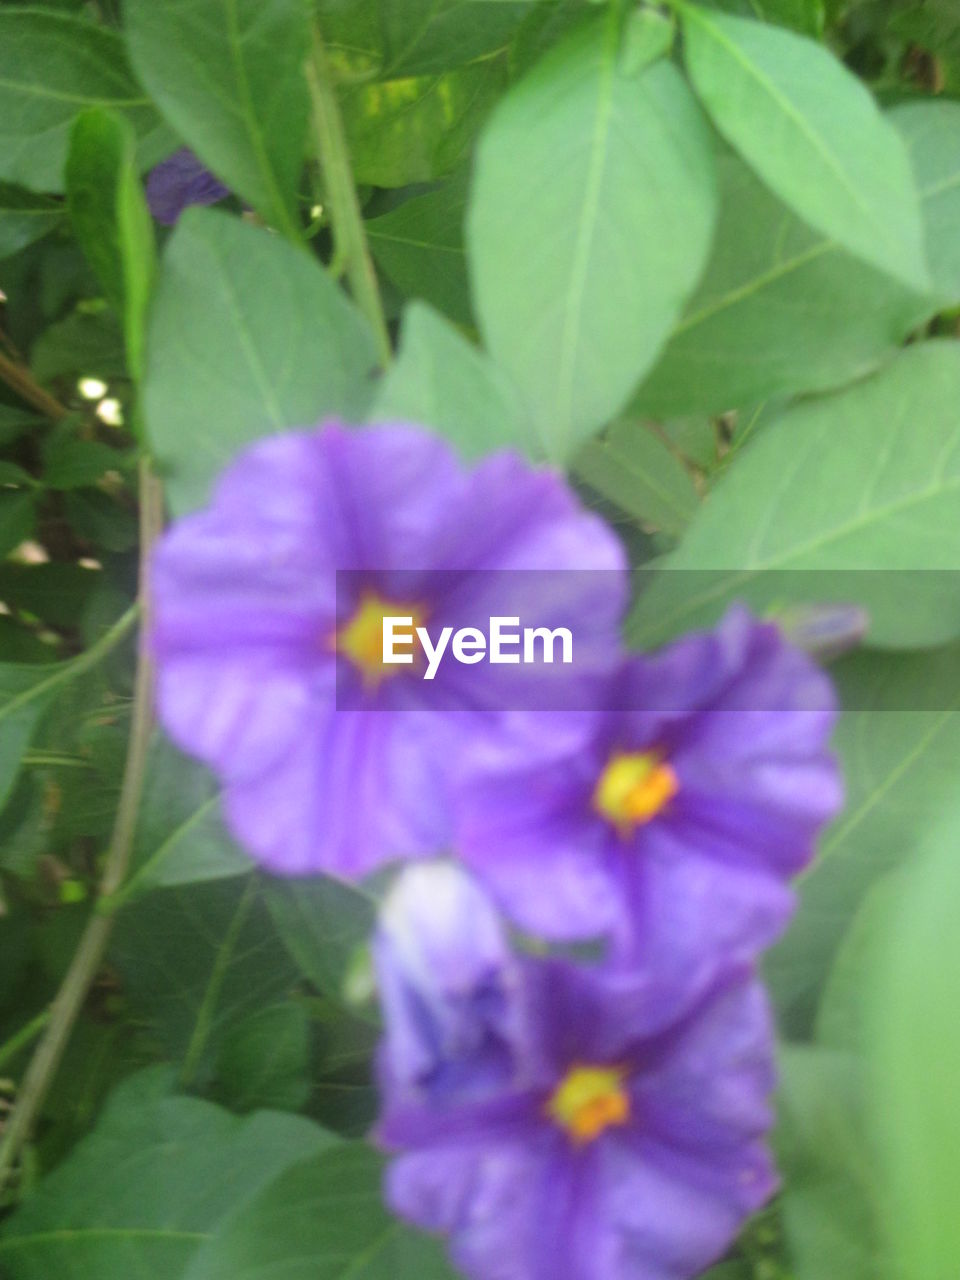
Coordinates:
[178,182]
[675,829]
[612,1145]
[448,985]
[269,665]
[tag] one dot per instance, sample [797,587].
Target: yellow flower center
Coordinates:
[633,788]
[361,639]
[589,1100]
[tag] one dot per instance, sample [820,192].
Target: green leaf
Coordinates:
[196,959]
[16,519]
[52,65]
[82,345]
[780,309]
[155,1179]
[71,463]
[264,1060]
[110,218]
[897,741]
[442,381]
[635,469]
[180,837]
[322,922]
[830,1201]
[420,247]
[841,1013]
[56,592]
[11,473]
[25,693]
[913,1052]
[813,133]
[25,217]
[581,266]
[229,78]
[16,422]
[247,336]
[885,502]
[806,16]
[421,128]
[101,520]
[931,131]
[394,38]
[323,1219]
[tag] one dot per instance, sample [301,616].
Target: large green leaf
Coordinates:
[264,1060]
[152,1182]
[229,78]
[813,133]
[420,247]
[322,1220]
[392,38]
[637,470]
[246,336]
[25,217]
[197,959]
[897,739]
[180,836]
[421,127]
[913,1053]
[111,220]
[830,1201]
[866,479]
[780,309]
[580,261]
[323,923]
[931,131]
[442,381]
[52,65]
[842,1010]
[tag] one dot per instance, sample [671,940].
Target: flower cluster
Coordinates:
[600,1117]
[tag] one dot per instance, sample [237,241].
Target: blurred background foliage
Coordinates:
[212,1098]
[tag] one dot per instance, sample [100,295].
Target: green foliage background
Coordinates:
[706,258]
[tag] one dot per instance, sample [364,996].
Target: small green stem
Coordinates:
[350,241]
[26,1035]
[27,388]
[73,992]
[65,671]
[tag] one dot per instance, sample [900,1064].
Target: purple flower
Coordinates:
[674,830]
[269,661]
[613,1145]
[448,985]
[180,181]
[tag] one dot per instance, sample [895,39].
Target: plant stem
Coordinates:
[22,382]
[23,1037]
[350,241]
[70,998]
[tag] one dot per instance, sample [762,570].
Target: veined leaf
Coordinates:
[152,1182]
[441,380]
[580,268]
[52,66]
[247,336]
[866,479]
[813,133]
[323,1219]
[229,78]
